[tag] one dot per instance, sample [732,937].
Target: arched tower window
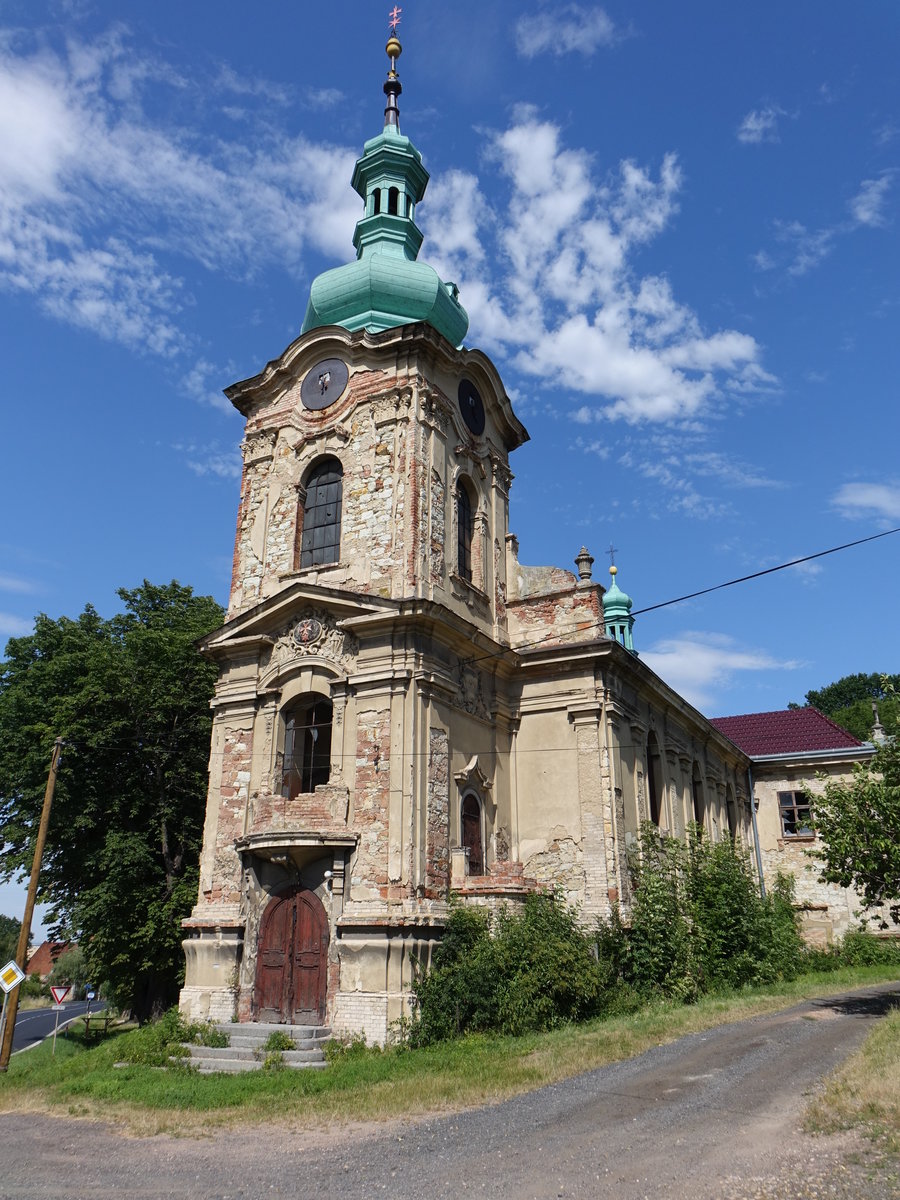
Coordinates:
[465,526]
[393,201]
[472,836]
[321,540]
[653,780]
[307,746]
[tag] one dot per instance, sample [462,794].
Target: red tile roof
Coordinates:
[43,960]
[788,731]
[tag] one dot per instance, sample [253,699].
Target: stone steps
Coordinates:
[246,1052]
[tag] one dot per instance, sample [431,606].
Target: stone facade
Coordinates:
[485,686]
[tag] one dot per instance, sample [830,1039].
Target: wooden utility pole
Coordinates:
[25,931]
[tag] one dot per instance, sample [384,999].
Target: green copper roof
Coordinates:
[386,286]
[617,613]
[616,603]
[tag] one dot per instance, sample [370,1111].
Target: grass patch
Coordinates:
[864,1093]
[370,1084]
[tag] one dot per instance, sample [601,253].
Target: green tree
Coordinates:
[9,938]
[848,701]
[130,696]
[71,968]
[858,823]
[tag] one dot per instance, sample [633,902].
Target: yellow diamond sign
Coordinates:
[11,976]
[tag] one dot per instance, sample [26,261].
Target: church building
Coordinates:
[405,712]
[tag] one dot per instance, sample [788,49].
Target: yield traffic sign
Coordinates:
[61,993]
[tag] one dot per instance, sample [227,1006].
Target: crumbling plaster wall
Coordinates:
[827,910]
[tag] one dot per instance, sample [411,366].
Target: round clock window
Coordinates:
[324,384]
[471,406]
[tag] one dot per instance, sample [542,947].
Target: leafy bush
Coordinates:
[278,1040]
[338,1049]
[698,922]
[859,948]
[207,1034]
[34,987]
[535,970]
[155,1044]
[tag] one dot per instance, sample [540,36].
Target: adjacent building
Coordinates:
[789,751]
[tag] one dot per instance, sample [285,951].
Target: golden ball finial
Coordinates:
[614,571]
[393,49]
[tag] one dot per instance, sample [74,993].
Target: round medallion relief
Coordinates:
[307,632]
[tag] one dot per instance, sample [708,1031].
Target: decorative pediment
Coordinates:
[314,632]
[472,776]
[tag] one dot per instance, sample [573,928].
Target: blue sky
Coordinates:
[674,229]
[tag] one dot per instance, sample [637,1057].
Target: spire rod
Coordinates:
[392,87]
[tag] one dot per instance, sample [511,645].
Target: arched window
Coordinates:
[393,201]
[472,839]
[697,798]
[464,529]
[731,812]
[321,540]
[307,746]
[653,780]
[376,207]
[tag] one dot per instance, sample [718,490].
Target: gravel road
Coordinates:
[715,1114]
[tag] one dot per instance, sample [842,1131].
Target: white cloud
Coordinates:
[698,665]
[323,98]
[100,205]
[567,29]
[211,460]
[203,383]
[15,583]
[804,249]
[12,626]
[807,247]
[565,305]
[868,205]
[760,125]
[868,500]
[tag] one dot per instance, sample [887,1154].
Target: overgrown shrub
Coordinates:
[155,1044]
[533,971]
[859,948]
[698,922]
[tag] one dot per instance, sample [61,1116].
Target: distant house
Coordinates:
[44,958]
[789,749]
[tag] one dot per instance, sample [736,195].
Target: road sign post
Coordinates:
[61,993]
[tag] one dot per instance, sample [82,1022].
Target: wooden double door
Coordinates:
[292,960]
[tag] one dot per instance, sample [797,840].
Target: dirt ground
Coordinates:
[714,1116]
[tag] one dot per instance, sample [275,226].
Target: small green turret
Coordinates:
[617,613]
[387,286]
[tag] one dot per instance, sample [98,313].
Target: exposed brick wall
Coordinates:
[572,616]
[437,834]
[237,754]
[370,816]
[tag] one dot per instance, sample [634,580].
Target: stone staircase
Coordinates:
[245,1050]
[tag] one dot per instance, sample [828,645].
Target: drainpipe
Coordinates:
[759,866]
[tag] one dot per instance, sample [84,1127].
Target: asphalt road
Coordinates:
[34,1024]
[713,1115]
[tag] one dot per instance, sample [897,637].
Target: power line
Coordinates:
[768,571]
[692,595]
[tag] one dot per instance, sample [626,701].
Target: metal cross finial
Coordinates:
[395,18]
[612,552]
